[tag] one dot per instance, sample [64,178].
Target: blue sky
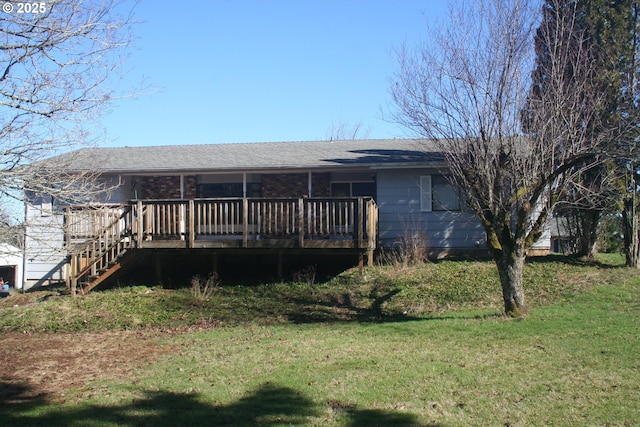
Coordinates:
[258,71]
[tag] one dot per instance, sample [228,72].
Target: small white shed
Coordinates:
[11,265]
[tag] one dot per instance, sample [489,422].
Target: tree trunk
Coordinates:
[631,230]
[588,220]
[510,269]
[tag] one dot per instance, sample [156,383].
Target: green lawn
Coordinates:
[422,346]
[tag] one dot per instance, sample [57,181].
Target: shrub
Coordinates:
[411,249]
[305,275]
[202,289]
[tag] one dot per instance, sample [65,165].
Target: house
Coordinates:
[228,200]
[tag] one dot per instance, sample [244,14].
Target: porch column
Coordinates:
[310,186]
[301,228]
[182,210]
[245,221]
[244,184]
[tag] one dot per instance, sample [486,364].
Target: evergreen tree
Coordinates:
[607,36]
[628,152]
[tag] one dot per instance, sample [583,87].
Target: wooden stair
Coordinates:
[93,262]
[102,275]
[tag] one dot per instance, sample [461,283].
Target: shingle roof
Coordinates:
[254,156]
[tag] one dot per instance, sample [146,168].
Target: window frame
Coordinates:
[426,202]
[428,195]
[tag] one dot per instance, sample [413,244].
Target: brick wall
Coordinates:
[296,185]
[190,183]
[166,187]
[273,185]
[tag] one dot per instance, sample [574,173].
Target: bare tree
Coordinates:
[59,69]
[342,131]
[510,149]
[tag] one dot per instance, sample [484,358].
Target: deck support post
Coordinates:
[67,227]
[73,283]
[301,222]
[139,224]
[372,229]
[361,263]
[245,222]
[279,265]
[157,267]
[192,223]
[360,223]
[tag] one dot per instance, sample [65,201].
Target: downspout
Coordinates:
[24,250]
[309,184]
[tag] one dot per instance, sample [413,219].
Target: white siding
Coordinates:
[45,252]
[44,247]
[401,212]
[124,192]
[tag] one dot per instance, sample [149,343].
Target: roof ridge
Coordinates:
[262,143]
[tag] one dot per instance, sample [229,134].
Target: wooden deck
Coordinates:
[99,237]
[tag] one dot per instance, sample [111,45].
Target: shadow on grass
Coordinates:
[574,260]
[303,307]
[343,308]
[371,310]
[269,405]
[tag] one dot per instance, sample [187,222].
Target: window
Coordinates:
[437,194]
[426,204]
[353,189]
[46,209]
[445,196]
[340,189]
[212,191]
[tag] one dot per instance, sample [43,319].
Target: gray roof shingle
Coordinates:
[253,156]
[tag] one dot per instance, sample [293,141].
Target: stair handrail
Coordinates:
[95,251]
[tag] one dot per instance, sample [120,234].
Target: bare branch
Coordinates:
[511,150]
[59,69]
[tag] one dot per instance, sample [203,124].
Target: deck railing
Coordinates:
[239,222]
[86,222]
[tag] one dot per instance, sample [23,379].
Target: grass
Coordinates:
[384,293]
[425,347]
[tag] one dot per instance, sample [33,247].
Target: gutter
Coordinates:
[284,169]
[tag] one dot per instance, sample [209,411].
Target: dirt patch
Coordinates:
[46,365]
